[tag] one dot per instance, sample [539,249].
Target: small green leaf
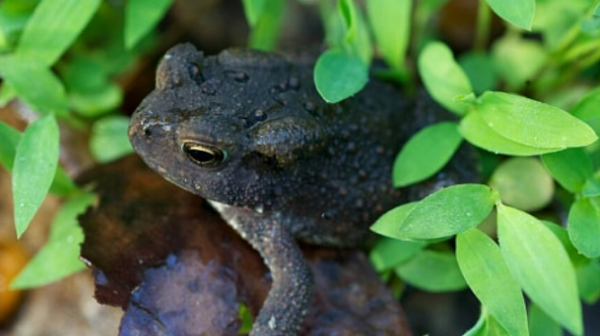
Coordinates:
[562,235]
[532,123]
[45,94]
[60,256]
[266,31]
[570,167]
[447,212]
[508,54]
[10,139]
[541,324]
[587,109]
[523,183]
[389,253]
[433,271]
[584,227]
[348,10]
[109,140]
[476,66]
[539,263]
[387,225]
[426,153]
[443,77]
[140,17]
[518,12]
[246,317]
[339,75]
[475,130]
[591,188]
[588,281]
[52,28]
[34,168]
[390,22]
[484,269]
[253,10]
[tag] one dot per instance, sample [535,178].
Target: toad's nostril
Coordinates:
[147,131]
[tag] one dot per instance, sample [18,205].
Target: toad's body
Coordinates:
[248,131]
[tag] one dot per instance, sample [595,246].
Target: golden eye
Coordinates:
[204,156]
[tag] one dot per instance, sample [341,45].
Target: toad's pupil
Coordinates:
[204,156]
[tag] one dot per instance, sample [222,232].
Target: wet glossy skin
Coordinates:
[248,131]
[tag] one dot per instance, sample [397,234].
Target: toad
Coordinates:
[248,131]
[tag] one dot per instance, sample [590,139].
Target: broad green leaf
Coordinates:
[389,253]
[388,224]
[266,31]
[475,130]
[443,77]
[508,54]
[8,145]
[587,109]
[591,188]
[539,263]
[34,168]
[7,93]
[532,123]
[339,75]
[52,28]
[253,10]
[518,12]
[109,140]
[584,227]
[140,17]
[45,94]
[390,23]
[60,256]
[523,183]
[426,153]
[487,274]
[61,185]
[541,324]
[570,167]
[562,235]
[95,103]
[588,281]
[476,66]
[433,271]
[447,212]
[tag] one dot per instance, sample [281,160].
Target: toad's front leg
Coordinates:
[286,304]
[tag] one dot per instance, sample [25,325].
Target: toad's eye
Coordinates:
[204,156]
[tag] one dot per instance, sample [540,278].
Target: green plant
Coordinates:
[511,99]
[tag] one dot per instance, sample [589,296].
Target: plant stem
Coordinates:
[482,31]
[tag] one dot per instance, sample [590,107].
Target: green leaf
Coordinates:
[389,253]
[443,77]
[541,324]
[266,31]
[246,317]
[388,224]
[508,54]
[339,75]
[570,167]
[60,256]
[588,281]
[53,27]
[45,94]
[591,188]
[477,132]
[34,168]
[584,227]
[562,235]
[109,140]
[140,17]
[348,10]
[476,66]
[390,23]
[539,263]
[426,153]
[10,139]
[432,271]
[253,10]
[518,12]
[447,212]
[532,123]
[484,269]
[523,183]
[587,109]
